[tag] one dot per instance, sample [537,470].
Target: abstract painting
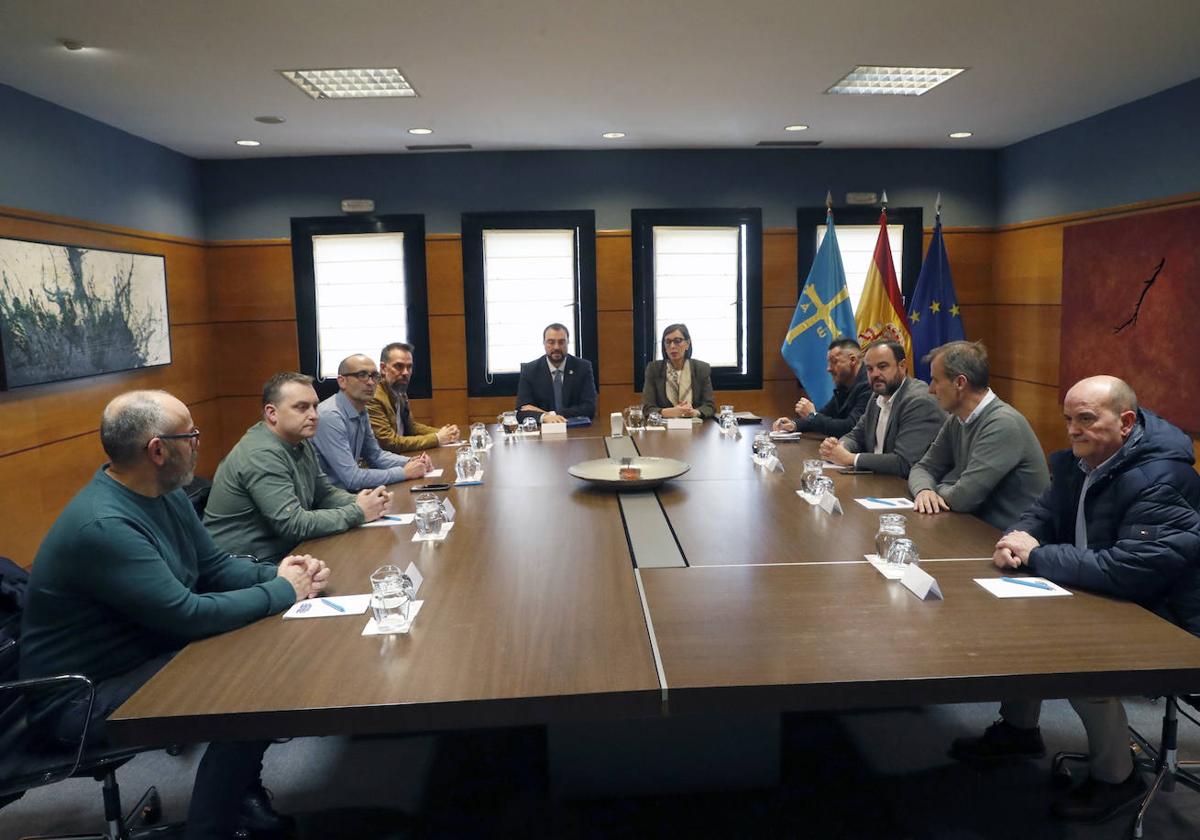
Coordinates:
[68,311]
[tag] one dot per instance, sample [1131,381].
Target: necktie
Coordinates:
[557,391]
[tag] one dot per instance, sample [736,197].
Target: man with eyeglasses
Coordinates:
[344,439]
[126,577]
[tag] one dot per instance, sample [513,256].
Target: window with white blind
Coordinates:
[702,268]
[529,282]
[360,285]
[698,281]
[361,305]
[857,246]
[522,272]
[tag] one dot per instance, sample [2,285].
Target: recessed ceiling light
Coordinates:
[269,120]
[893,81]
[351,83]
[796,127]
[71,44]
[247,142]
[420,131]
[960,135]
[613,135]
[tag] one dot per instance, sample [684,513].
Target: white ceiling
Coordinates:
[556,74]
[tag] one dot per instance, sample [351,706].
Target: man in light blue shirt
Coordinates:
[349,454]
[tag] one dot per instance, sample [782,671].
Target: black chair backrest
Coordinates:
[13,583]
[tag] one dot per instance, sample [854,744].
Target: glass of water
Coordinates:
[634,418]
[766,451]
[508,422]
[902,552]
[391,594]
[529,425]
[466,463]
[891,528]
[430,515]
[480,439]
[808,480]
[655,419]
[822,485]
[759,439]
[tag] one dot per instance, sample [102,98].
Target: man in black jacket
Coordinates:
[851,392]
[1121,517]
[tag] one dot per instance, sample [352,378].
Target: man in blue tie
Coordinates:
[558,380]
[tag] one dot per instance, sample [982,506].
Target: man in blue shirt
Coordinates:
[344,439]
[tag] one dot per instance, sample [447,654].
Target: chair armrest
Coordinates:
[60,681]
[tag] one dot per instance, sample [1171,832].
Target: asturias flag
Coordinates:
[881,309]
[933,312]
[822,314]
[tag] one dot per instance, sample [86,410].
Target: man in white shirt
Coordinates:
[900,421]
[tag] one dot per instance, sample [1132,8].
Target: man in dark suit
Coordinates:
[557,385]
[851,391]
[899,423]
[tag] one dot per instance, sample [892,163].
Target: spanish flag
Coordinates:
[880,309]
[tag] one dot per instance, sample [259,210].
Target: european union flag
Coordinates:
[933,313]
[822,314]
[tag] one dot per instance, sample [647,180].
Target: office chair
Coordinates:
[1161,760]
[27,763]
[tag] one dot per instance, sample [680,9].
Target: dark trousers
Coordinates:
[226,771]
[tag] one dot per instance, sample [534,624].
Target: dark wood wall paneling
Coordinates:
[233,324]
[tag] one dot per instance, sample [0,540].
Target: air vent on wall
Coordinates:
[440,147]
[788,144]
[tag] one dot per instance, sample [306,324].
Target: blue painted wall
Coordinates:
[1146,149]
[57,161]
[256,198]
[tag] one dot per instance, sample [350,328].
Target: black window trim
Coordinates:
[583,323]
[416,301]
[809,218]
[642,224]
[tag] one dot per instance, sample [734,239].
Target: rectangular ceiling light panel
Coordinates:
[893,81]
[353,83]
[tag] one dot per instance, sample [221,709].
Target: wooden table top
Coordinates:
[534,612]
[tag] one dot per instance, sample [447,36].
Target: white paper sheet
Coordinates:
[391,520]
[892,503]
[1004,589]
[321,607]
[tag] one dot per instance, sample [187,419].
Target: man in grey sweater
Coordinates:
[986,460]
[900,422]
[269,493]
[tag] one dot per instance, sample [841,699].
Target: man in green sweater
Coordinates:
[986,460]
[127,576]
[269,494]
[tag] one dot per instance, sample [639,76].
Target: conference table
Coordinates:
[538,610]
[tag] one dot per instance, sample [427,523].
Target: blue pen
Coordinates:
[1036,584]
[392,516]
[883,502]
[336,606]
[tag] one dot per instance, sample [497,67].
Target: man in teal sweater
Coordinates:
[127,576]
[986,460]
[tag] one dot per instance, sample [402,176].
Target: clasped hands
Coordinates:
[547,416]
[1013,550]
[680,409]
[307,575]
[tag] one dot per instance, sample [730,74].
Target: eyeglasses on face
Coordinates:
[674,342]
[364,375]
[192,437]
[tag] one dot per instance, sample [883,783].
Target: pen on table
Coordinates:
[395,516]
[333,604]
[1037,584]
[883,502]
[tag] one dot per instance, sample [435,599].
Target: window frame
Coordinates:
[583,324]
[416,301]
[645,339]
[912,218]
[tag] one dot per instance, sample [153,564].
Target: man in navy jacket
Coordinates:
[556,386]
[1121,517]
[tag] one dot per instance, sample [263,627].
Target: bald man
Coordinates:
[126,577]
[1121,517]
[344,439]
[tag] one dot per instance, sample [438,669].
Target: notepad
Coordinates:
[323,607]
[894,503]
[390,520]
[1005,589]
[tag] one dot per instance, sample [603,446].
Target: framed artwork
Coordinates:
[1129,294]
[68,312]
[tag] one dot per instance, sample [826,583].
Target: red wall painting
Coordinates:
[1131,308]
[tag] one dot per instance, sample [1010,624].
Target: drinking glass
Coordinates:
[902,552]
[822,484]
[508,422]
[634,418]
[529,424]
[728,421]
[466,464]
[808,479]
[766,451]
[655,419]
[391,594]
[759,439]
[430,515]
[891,528]
[479,437]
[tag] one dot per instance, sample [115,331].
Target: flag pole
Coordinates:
[937,209]
[885,200]
[829,200]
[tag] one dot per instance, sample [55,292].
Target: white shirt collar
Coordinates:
[987,398]
[551,365]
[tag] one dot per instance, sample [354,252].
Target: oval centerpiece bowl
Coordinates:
[606,472]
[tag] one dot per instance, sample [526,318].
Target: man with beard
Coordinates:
[851,392]
[899,424]
[391,421]
[127,576]
[269,493]
[558,380]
